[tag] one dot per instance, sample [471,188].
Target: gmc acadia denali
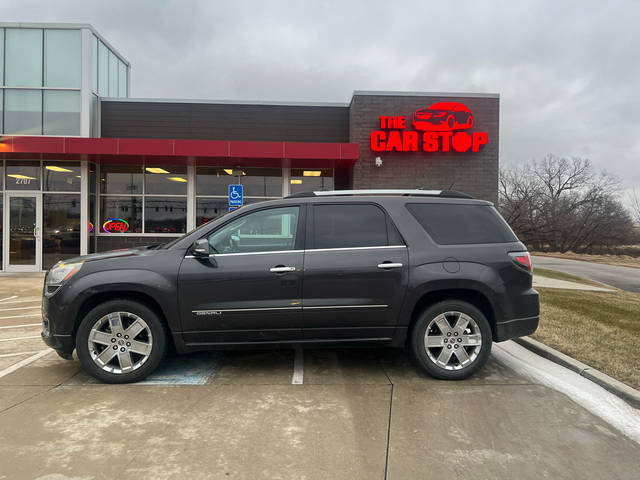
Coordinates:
[435,271]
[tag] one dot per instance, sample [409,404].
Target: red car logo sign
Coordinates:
[443,116]
[438,128]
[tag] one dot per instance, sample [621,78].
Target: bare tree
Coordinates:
[561,204]
[635,205]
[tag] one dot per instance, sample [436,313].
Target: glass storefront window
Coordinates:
[61,228]
[1,110]
[103,70]
[120,214]
[258,182]
[23,112]
[61,176]
[1,59]
[23,175]
[310,179]
[61,112]
[165,180]
[122,79]
[125,179]
[62,57]
[23,57]
[208,209]
[94,64]
[165,215]
[113,74]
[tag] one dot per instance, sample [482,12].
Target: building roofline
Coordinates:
[423,94]
[226,102]
[66,26]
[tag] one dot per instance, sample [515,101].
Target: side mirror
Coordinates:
[201,248]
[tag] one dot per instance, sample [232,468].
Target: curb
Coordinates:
[625,392]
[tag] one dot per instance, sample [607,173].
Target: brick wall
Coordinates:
[469,172]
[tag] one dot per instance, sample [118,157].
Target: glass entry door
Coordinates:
[23,246]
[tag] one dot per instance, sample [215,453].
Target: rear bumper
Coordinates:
[517,327]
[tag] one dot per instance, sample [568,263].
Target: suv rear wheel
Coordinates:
[121,341]
[451,340]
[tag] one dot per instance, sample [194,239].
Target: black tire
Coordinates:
[158,345]
[451,122]
[429,365]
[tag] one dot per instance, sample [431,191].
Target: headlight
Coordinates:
[61,272]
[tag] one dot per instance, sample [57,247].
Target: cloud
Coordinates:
[567,72]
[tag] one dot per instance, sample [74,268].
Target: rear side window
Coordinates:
[349,225]
[451,224]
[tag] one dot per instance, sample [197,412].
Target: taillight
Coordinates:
[523,259]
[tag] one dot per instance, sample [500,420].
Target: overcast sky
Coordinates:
[568,73]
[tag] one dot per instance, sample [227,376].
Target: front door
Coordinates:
[355,273]
[250,288]
[23,246]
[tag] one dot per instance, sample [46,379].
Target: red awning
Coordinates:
[177,151]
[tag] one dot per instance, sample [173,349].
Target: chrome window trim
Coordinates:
[299,251]
[354,248]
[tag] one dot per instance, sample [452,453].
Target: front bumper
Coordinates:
[64,344]
[517,327]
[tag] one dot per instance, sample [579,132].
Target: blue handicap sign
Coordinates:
[235,195]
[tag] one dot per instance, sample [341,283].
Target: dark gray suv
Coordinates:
[435,271]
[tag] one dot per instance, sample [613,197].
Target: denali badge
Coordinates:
[206,312]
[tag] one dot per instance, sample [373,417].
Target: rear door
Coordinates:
[355,272]
[250,287]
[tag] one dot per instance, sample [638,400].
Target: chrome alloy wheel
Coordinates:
[453,340]
[120,342]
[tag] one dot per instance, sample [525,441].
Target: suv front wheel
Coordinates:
[451,340]
[121,341]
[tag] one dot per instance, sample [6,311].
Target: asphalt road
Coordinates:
[353,414]
[625,278]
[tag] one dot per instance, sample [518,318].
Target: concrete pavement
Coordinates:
[625,278]
[359,414]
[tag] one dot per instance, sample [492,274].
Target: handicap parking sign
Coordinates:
[235,195]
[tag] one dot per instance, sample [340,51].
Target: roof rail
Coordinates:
[417,193]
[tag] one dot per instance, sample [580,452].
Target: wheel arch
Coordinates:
[101,297]
[469,295]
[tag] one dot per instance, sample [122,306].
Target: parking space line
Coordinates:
[22,326]
[21,316]
[39,301]
[18,308]
[298,367]
[5,355]
[19,338]
[8,298]
[24,362]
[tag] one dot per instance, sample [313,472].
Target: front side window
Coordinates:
[349,225]
[262,231]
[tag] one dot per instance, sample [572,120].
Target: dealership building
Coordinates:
[87,168]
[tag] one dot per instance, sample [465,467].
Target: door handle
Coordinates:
[388,265]
[282,269]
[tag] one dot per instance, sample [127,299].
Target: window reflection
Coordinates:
[310,179]
[208,209]
[23,175]
[258,182]
[165,180]
[121,179]
[121,215]
[165,215]
[61,228]
[61,176]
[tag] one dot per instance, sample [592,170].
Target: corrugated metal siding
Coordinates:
[206,121]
